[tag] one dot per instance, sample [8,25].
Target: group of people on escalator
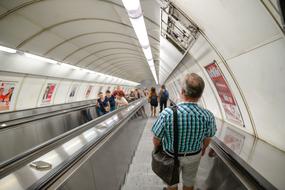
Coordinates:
[110,101]
[153,98]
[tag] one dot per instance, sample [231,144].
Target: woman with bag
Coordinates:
[152,99]
[103,105]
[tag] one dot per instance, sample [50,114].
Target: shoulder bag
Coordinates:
[165,166]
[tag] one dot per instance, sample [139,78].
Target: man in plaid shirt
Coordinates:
[196,127]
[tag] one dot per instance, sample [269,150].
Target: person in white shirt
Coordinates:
[120,100]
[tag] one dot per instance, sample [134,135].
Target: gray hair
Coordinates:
[193,85]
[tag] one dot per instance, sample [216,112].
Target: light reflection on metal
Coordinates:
[90,134]
[11,182]
[72,146]
[51,157]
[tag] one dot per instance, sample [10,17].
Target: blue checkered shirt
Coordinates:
[194,123]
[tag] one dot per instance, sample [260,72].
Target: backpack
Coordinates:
[153,100]
[164,96]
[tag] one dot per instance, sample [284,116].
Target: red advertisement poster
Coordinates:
[49,91]
[229,104]
[6,95]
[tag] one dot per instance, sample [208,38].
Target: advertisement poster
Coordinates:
[88,91]
[49,92]
[72,92]
[229,103]
[7,95]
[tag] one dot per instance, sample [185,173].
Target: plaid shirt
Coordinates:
[194,123]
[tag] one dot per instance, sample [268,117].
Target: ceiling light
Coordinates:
[133,8]
[8,50]
[147,53]
[140,30]
[134,11]
[40,58]
[70,66]
[150,63]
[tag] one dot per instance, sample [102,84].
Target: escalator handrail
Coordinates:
[251,174]
[8,166]
[76,104]
[40,116]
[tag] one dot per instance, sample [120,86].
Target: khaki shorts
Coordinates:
[189,166]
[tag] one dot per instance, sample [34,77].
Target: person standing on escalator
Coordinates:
[163,98]
[121,100]
[102,104]
[153,100]
[196,126]
[111,100]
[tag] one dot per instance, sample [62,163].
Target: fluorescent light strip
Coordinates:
[125,82]
[40,58]
[132,5]
[134,11]
[8,50]
[121,81]
[147,53]
[140,30]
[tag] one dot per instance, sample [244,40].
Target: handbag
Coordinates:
[102,106]
[163,165]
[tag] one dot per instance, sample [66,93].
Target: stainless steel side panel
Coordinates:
[29,135]
[110,162]
[82,179]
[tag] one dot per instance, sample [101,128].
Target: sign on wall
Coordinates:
[228,101]
[88,91]
[7,95]
[48,94]
[72,92]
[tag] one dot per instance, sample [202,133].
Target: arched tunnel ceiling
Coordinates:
[94,34]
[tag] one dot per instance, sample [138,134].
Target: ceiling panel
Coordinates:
[90,33]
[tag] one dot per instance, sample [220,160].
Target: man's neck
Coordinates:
[190,100]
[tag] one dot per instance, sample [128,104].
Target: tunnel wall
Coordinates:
[249,50]
[29,88]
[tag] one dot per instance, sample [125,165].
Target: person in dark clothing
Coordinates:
[111,100]
[163,98]
[137,93]
[152,99]
[102,104]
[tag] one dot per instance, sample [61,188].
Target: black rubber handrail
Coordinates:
[58,171]
[42,113]
[47,106]
[37,117]
[10,165]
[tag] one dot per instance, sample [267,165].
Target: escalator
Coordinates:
[114,153]
[63,153]
[22,132]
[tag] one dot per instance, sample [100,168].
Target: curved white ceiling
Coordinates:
[92,34]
